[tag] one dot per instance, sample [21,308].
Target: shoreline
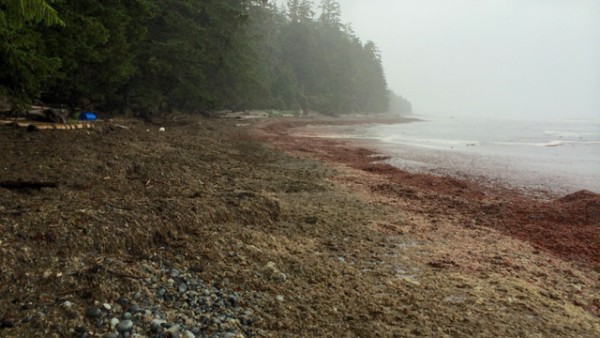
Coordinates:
[495,171]
[561,221]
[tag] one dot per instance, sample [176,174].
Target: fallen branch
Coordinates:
[12,212]
[124,275]
[68,292]
[20,185]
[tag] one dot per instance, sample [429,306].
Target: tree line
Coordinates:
[150,56]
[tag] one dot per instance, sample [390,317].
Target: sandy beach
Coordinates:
[217,228]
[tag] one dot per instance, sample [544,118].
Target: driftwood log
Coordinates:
[45,125]
[25,185]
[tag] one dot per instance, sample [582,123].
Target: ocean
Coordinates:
[551,156]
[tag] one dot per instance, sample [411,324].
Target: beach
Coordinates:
[224,228]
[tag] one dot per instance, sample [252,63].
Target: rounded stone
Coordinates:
[125,325]
[174,330]
[156,324]
[188,334]
[93,312]
[161,292]
[81,332]
[122,301]
[183,287]
[127,315]
[233,300]
[280,277]
[114,322]
[135,309]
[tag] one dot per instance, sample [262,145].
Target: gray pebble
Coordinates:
[174,330]
[233,300]
[114,322]
[200,305]
[156,324]
[81,332]
[135,309]
[183,287]
[93,312]
[188,334]
[125,325]
[122,301]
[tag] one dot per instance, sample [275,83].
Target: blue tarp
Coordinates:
[87,116]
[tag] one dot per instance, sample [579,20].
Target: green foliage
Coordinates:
[17,13]
[193,55]
[25,65]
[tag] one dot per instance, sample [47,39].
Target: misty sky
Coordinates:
[505,58]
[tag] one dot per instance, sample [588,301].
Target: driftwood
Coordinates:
[49,126]
[45,125]
[47,115]
[22,185]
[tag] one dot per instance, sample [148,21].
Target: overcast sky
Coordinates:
[506,58]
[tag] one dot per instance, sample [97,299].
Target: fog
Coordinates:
[528,59]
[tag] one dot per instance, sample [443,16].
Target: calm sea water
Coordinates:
[559,156]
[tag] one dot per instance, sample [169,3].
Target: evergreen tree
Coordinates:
[25,66]
[191,55]
[330,13]
[21,12]
[399,105]
[96,49]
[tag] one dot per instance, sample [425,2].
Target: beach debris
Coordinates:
[271,271]
[87,116]
[27,185]
[455,299]
[47,115]
[34,125]
[161,129]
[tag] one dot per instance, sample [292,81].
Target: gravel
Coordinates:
[172,303]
